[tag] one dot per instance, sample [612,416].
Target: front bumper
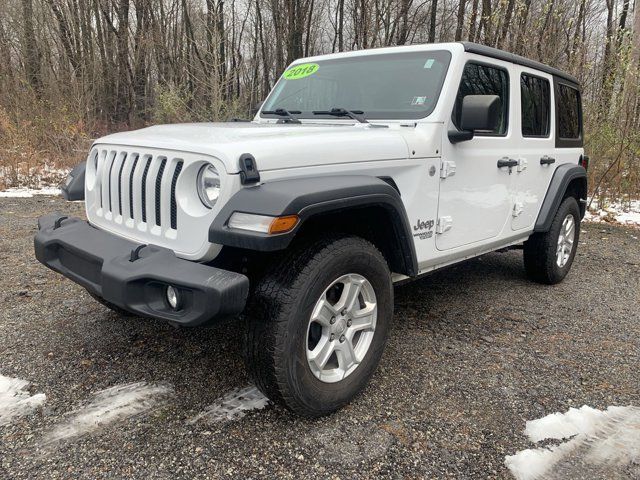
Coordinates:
[105,265]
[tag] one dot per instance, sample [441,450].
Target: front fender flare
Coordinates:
[307,197]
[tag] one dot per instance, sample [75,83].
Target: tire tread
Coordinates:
[273,302]
[540,249]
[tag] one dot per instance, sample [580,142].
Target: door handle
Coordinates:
[507,162]
[546,160]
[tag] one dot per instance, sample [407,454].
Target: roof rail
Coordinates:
[517,59]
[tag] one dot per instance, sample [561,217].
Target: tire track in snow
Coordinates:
[15,401]
[599,444]
[232,406]
[109,406]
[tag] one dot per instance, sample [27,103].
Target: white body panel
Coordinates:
[478,200]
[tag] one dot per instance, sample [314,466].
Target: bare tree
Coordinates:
[103,64]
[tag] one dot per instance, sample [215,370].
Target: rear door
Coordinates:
[550,133]
[475,196]
[536,160]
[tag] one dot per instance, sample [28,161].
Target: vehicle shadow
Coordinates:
[202,364]
[100,348]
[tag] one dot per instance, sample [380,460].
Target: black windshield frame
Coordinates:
[385,62]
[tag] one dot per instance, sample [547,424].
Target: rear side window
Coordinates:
[480,79]
[568,112]
[536,106]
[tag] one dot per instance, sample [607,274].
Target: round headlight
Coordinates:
[208,185]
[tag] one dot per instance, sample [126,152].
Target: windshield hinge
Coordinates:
[447,169]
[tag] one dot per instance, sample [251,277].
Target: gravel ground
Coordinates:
[474,352]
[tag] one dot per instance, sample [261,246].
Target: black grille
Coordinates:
[144,190]
[174,206]
[124,159]
[113,157]
[133,169]
[138,167]
[158,188]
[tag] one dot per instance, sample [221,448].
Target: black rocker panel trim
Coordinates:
[308,197]
[562,177]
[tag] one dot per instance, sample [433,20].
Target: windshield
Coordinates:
[386,86]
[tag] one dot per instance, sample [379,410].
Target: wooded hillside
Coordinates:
[73,69]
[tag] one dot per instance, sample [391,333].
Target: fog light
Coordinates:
[173,297]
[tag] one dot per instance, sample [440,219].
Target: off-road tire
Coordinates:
[114,308]
[540,249]
[278,315]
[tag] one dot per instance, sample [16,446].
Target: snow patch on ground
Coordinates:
[22,176]
[15,401]
[232,406]
[29,192]
[625,214]
[27,182]
[599,444]
[109,406]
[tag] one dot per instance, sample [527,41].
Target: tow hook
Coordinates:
[135,253]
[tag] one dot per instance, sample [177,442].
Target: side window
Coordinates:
[536,106]
[480,79]
[568,112]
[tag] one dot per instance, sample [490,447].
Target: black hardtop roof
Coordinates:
[517,59]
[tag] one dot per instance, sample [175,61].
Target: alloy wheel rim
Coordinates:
[341,328]
[565,240]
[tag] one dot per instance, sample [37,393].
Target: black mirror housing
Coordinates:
[480,113]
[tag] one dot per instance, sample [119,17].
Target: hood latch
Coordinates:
[248,169]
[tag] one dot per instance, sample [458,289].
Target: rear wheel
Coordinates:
[318,323]
[548,256]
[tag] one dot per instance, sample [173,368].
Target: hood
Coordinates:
[274,146]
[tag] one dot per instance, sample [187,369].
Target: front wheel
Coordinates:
[318,323]
[548,256]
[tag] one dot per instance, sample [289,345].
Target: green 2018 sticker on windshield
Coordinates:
[300,71]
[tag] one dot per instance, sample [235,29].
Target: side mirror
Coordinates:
[480,113]
[256,108]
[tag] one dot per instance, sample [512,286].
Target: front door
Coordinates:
[475,201]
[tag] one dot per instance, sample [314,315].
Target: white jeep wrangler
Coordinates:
[360,170]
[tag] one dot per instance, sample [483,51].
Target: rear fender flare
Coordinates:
[562,178]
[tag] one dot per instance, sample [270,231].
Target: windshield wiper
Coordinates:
[343,112]
[281,112]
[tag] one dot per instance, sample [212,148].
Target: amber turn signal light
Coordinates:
[283,224]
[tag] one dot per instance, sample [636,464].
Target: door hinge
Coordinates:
[447,169]
[522,165]
[444,224]
[518,208]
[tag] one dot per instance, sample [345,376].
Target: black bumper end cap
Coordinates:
[73,186]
